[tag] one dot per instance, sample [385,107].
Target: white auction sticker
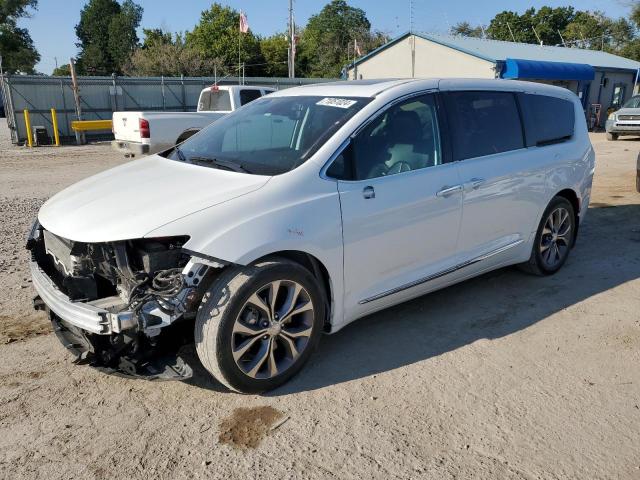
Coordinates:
[337,102]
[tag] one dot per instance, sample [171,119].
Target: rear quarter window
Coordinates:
[547,120]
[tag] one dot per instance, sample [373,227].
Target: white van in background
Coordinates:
[146,132]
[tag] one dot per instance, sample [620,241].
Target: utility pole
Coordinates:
[562,39]
[292,43]
[76,98]
[511,32]
[410,16]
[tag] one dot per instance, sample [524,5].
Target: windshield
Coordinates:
[634,102]
[269,136]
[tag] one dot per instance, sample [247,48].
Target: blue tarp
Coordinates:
[539,70]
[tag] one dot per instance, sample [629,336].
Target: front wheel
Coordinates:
[554,238]
[612,136]
[258,325]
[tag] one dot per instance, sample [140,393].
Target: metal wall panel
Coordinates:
[101,96]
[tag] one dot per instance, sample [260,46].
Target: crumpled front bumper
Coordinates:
[79,314]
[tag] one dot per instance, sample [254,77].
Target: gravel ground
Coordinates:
[27,178]
[505,376]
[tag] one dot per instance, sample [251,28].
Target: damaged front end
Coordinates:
[125,307]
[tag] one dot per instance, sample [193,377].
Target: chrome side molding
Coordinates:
[442,273]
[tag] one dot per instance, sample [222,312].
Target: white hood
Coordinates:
[131,200]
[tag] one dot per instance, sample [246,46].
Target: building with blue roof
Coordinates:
[602,80]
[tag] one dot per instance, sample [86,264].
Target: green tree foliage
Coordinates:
[16,46]
[62,71]
[163,54]
[565,26]
[217,38]
[327,37]
[274,51]
[107,35]
[122,32]
[466,30]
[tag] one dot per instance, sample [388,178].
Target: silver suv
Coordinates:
[625,121]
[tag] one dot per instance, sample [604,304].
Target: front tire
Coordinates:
[258,325]
[612,136]
[554,238]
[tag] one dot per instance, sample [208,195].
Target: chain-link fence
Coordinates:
[101,96]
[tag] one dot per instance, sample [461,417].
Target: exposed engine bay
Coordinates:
[148,289]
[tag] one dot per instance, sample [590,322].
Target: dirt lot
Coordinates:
[504,377]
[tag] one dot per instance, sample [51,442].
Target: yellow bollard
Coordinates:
[54,119]
[27,123]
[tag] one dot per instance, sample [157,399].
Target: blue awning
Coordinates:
[539,70]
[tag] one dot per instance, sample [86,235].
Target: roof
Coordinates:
[352,88]
[399,87]
[497,50]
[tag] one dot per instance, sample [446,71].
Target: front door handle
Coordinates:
[446,190]
[368,192]
[476,183]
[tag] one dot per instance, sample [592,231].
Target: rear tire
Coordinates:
[612,136]
[554,239]
[252,340]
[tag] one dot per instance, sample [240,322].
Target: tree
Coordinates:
[153,36]
[16,46]
[466,30]
[122,32]
[217,38]
[161,54]
[62,71]
[107,35]
[327,38]
[275,53]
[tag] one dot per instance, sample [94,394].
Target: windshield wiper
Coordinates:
[226,164]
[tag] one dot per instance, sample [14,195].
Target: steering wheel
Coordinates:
[399,167]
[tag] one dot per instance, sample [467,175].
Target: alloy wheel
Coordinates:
[555,240]
[272,329]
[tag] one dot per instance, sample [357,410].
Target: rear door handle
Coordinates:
[446,190]
[476,183]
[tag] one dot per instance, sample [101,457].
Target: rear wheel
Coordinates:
[612,136]
[258,325]
[554,238]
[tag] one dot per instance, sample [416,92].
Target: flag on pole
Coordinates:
[244,23]
[357,48]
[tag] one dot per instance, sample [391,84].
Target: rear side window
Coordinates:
[247,96]
[483,123]
[547,120]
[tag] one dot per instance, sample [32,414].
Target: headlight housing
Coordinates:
[612,116]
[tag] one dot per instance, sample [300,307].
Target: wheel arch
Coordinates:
[189,132]
[317,269]
[571,195]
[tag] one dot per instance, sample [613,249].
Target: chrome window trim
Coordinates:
[442,273]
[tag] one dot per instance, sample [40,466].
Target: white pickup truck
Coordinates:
[143,133]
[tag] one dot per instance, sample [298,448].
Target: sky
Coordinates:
[52,25]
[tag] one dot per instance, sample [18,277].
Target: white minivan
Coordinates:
[304,211]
